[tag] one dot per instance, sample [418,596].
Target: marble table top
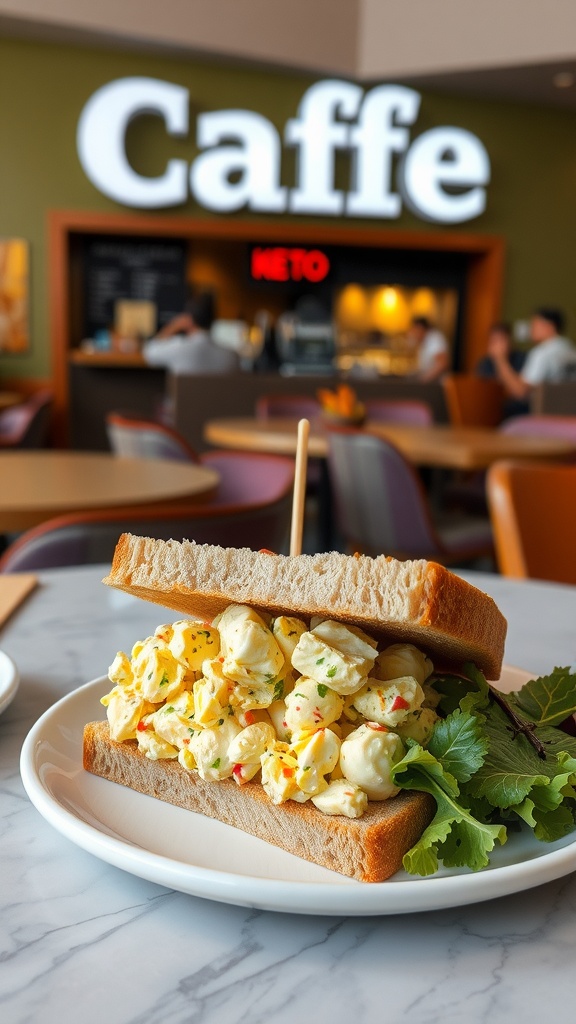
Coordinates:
[83,940]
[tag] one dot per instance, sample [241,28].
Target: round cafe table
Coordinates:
[38,485]
[438,445]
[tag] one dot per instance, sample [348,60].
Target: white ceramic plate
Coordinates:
[9,681]
[196,855]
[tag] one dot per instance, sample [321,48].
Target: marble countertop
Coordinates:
[82,940]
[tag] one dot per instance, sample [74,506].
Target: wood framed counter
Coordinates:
[484,256]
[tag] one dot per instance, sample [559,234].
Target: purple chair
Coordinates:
[287,406]
[26,425]
[381,506]
[136,438]
[542,426]
[414,413]
[252,509]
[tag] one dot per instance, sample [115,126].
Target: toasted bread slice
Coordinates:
[415,602]
[369,848]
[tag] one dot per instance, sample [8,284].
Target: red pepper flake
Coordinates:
[287,773]
[249,718]
[185,742]
[141,726]
[377,727]
[285,724]
[237,771]
[221,660]
[400,704]
[297,709]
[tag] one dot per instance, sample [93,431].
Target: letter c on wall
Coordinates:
[101,140]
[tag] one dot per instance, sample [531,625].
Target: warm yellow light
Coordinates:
[352,308]
[424,303]
[389,310]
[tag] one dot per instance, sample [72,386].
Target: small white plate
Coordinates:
[9,681]
[196,855]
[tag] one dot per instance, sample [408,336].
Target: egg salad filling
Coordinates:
[317,710]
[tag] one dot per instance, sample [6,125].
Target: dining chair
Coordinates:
[382,508]
[256,517]
[399,410]
[288,406]
[133,437]
[532,510]
[473,401]
[26,425]
[542,426]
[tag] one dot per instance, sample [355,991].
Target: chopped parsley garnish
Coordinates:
[320,661]
[331,672]
[216,763]
[164,681]
[322,689]
[279,690]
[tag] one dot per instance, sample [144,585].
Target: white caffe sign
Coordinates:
[441,175]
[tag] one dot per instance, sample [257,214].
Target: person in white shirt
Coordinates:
[432,349]
[548,360]
[184,345]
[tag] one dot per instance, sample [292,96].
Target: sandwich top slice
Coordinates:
[415,602]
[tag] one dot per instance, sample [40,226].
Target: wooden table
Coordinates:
[464,448]
[38,485]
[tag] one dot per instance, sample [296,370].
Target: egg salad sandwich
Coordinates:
[286,695]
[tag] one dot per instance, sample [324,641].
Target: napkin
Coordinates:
[14,588]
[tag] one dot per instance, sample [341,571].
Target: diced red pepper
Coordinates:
[377,727]
[249,718]
[266,551]
[400,704]
[287,773]
[141,726]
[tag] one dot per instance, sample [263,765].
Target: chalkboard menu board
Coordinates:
[152,270]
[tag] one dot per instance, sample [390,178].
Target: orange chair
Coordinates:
[532,511]
[473,401]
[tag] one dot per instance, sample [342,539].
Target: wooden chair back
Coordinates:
[532,511]
[473,401]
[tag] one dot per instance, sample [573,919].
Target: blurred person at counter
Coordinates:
[432,349]
[185,345]
[551,357]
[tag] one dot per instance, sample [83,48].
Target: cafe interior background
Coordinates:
[69,243]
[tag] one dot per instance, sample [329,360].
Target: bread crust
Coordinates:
[415,602]
[369,848]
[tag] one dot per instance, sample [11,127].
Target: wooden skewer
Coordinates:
[297,527]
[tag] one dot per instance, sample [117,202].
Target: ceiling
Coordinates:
[509,50]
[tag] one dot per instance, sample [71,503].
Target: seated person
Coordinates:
[432,350]
[500,333]
[184,345]
[548,359]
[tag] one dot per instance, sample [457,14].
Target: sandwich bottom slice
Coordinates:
[369,848]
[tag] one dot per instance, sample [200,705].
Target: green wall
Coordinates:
[531,199]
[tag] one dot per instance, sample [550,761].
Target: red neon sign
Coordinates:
[279,264]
